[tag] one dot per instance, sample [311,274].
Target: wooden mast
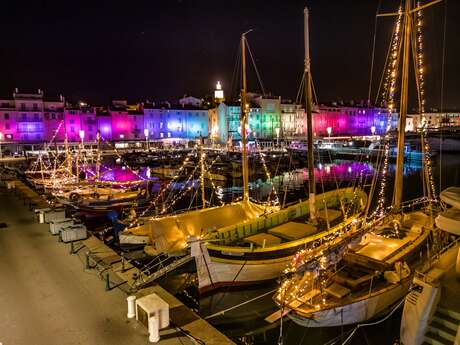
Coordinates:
[308,106]
[398,188]
[202,156]
[243,119]
[98,158]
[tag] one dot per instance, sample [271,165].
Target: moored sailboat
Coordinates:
[369,272]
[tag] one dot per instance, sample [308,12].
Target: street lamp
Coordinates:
[277,130]
[82,134]
[146,134]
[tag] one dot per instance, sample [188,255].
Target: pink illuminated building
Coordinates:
[79,118]
[29,117]
[104,124]
[122,126]
[348,120]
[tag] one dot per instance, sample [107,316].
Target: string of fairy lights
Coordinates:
[168,185]
[268,175]
[187,188]
[388,95]
[214,188]
[420,69]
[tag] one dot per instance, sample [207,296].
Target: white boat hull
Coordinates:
[213,274]
[356,312]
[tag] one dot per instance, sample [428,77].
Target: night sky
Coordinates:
[157,50]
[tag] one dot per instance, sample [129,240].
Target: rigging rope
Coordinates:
[444,48]
[255,67]
[373,52]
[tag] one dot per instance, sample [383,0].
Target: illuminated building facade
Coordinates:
[433,120]
[28,117]
[180,122]
[349,120]
[264,120]
[292,119]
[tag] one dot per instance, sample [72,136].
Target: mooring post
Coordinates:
[107,282]
[122,262]
[72,251]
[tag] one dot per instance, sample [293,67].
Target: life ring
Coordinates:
[74,196]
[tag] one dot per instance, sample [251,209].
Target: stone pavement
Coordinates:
[46,295]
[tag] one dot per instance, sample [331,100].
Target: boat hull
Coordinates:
[357,312]
[213,275]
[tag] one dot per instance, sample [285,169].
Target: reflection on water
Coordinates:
[123,174]
[338,174]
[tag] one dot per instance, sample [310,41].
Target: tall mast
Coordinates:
[203,195]
[244,109]
[98,159]
[397,194]
[68,158]
[308,106]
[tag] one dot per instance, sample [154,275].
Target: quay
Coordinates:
[49,296]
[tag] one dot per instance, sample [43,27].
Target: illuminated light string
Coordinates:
[388,95]
[214,188]
[267,173]
[421,89]
[186,189]
[163,190]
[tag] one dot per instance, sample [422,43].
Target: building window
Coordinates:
[53,116]
[72,129]
[24,117]
[35,106]
[23,106]
[7,126]
[7,116]
[36,117]
[169,134]
[72,121]
[90,128]
[162,135]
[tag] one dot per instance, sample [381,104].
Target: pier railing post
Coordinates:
[87,266]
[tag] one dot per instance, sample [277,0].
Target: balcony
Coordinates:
[28,119]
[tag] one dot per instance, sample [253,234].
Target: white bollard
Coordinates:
[154,329]
[131,306]
[41,217]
